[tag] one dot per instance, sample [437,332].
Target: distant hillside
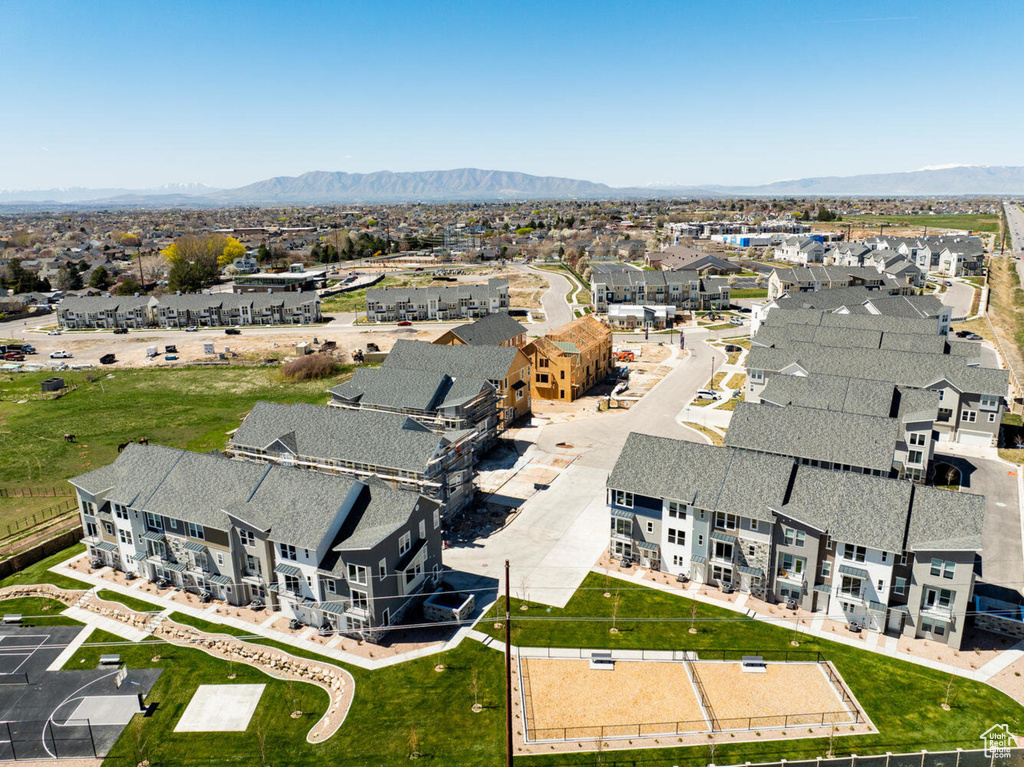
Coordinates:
[473,184]
[961,180]
[385,186]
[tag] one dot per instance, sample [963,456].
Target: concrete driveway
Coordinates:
[551,545]
[960,296]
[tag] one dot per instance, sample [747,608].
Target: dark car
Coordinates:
[120,331]
[14,357]
[233,331]
[962,333]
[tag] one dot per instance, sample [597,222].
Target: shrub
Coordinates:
[310,368]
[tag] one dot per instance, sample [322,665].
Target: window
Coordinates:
[723,550]
[942,569]
[753,525]
[650,527]
[826,569]
[288,551]
[120,511]
[900,586]
[791,566]
[678,561]
[360,600]
[542,378]
[676,510]
[725,521]
[196,531]
[917,438]
[700,540]
[756,375]
[220,559]
[991,417]
[915,457]
[291,583]
[543,362]
[382,569]
[968,416]
[903,558]
[988,402]
[622,526]
[437,519]
[519,394]
[126,537]
[404,544]
[881,586]
[856,553]
[561,375]
[154,522]
[357,574]
[850,586]
[331,586]
[941,393]
[108,528]
[622,498]
[885,556]
[794,537]
[247,537]
[677,536]
[423,529]
[938,598]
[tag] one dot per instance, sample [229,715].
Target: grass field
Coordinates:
[188,408]
[355,301]
[748,293]
[37,611]
[412,702]
[139,605]
[977,223]
[39,572]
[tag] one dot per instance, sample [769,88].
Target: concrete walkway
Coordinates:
[982,674]
[93,620]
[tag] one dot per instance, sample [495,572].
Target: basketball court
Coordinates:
[78,713]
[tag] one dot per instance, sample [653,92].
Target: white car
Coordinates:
[61,355]
[708,394]
[191,329]
[53,333]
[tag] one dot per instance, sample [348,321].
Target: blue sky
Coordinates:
[139,94]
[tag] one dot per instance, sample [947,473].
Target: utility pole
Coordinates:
[508,672]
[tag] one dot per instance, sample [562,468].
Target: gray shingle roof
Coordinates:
[409,388]
[945,520]
[492,330]
[867,322]
[852,508]
[904,368]
[810,433]
[487,362]
[390,440]
[443,293]
[706,476]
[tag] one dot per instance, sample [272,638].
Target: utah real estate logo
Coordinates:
[998,741]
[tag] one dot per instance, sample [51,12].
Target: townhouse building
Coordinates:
[952,255]
[448,302]
[335,552]
[189,309]
[800,250]
[858,300]
[812,278]
[685,290]
[872,552]
[101,312]
[498,329]
[392,447]
[454,387]
[631,316]
[567,362]
[972,399]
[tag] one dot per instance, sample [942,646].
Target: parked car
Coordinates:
[29,349]
[108,359]
[191,329]
[972,337]
[708,394]
[14,357]
[736,320]
[53,333]
[962,333]
[233,331]
[947,283]
[120,331]
[404,323]
[61,355]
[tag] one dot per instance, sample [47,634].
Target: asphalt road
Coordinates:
[1015,220]
[960,296]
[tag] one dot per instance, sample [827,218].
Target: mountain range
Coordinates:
[473,184]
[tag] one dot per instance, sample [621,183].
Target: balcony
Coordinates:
[359,610]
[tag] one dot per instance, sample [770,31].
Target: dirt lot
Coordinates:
[784,690]
[568,694]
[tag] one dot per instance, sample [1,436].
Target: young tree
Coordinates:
[100,278]
[129,286]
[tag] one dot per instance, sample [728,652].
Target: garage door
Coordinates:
[974,438]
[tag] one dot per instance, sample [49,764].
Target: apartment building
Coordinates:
[811,278]
[189,309]
[331,551]
[449,302]
[498,329]
[952,255]
[687,291]
[869,551]
[362,443]
[567,362]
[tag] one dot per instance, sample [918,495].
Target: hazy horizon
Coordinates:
[138,96]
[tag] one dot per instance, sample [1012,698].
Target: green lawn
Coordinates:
[43,612]
[139,605]
[355,301]
[903,699]
[190,408]
[977,223]
[748,293]
[39,572]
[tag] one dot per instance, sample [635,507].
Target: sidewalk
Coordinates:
[204,613]
[983,674]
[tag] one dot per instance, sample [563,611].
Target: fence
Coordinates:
[1013,757]
[837,682]
[35,492]
[31,520]
[584,653]
[43,740]
[704,700]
